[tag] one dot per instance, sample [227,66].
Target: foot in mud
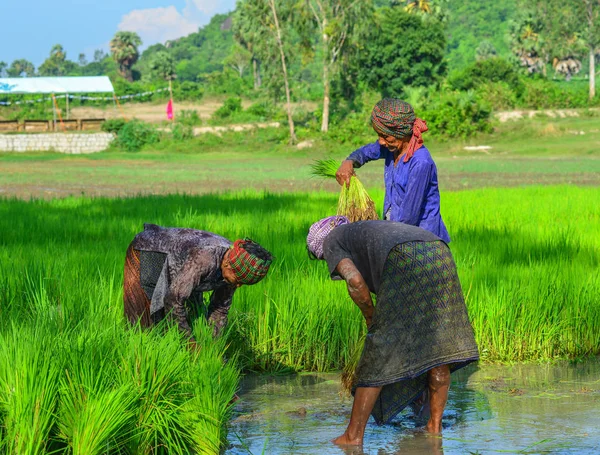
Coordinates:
[345,440]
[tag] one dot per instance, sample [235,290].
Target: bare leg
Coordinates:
[364,400]
[439,383]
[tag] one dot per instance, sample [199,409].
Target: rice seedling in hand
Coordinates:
[354,202]
[348,378]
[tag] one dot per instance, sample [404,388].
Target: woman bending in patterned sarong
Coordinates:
[418,333]
[165,268]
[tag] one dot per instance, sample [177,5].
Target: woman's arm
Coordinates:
[357,288]
[193,270]
[356,159]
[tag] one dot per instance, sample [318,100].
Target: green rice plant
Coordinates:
[528,260]
[214,381]
[155,365]
[354,202]
[28,390]
[96,412]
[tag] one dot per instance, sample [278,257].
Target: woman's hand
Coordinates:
[345,172]
[368,314]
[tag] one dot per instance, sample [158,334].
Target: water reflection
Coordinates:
[515,409]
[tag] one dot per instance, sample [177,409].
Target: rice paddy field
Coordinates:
[74,379]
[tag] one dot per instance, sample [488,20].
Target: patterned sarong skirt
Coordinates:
[420,322]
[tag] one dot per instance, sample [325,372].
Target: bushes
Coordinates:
[136,134]
[498,95]
[113,125]
[232,111]
[230,107]
[189,118]
[485,71]
[457,114]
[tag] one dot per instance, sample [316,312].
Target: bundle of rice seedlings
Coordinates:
[354,202]
[349,371]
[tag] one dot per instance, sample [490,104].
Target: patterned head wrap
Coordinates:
[396,118]
[319,231]
[248,268]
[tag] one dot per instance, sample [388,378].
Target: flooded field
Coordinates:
[525,409]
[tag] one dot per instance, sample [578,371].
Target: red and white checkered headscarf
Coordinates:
[248,268]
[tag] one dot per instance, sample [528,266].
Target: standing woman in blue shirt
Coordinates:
[411,183]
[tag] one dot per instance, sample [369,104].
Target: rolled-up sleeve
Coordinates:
[369,152]
[416,194]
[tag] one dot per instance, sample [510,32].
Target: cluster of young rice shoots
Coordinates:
[354,202]
[527,258]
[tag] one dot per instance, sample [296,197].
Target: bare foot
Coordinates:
[345,440]
[433,428]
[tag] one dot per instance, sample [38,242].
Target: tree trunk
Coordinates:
[592,73]
[293,139]
[258,75]
[255,73]
[326,86]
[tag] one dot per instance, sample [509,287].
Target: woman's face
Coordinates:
[393,144]
[228,273]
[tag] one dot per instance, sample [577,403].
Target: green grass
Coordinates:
[537,151]
[74,380]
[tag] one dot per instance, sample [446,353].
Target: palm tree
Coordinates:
[423,6]
[124,50]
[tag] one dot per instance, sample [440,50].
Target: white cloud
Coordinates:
[205,6]
[157,25]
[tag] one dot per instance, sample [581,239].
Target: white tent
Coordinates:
[29,85]
[54,85]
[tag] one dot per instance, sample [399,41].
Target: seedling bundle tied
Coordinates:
[354,202]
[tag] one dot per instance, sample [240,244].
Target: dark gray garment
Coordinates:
[176,263]
[367,244]
[420,322]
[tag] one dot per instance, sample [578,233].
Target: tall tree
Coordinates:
[99,55]
[3,66]
[20,68]
[335,21]
[162,66]
[278,35]
[591,37]
[238,59]
[528,44]
[272,26]
[570,30]
[390,62]
[56,64]
[248,37]
[82,60]
[124,49]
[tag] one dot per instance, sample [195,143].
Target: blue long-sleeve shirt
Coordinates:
[411,189]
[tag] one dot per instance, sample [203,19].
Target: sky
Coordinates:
[31,27]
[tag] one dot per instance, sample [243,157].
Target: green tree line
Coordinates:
[334,51]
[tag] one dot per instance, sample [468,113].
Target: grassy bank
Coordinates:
[540,151]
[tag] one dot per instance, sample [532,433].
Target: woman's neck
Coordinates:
[400,151]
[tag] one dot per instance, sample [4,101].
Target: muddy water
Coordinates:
[526,409]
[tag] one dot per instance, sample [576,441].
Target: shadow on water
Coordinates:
[526,409]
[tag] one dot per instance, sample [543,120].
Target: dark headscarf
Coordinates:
[396,118]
